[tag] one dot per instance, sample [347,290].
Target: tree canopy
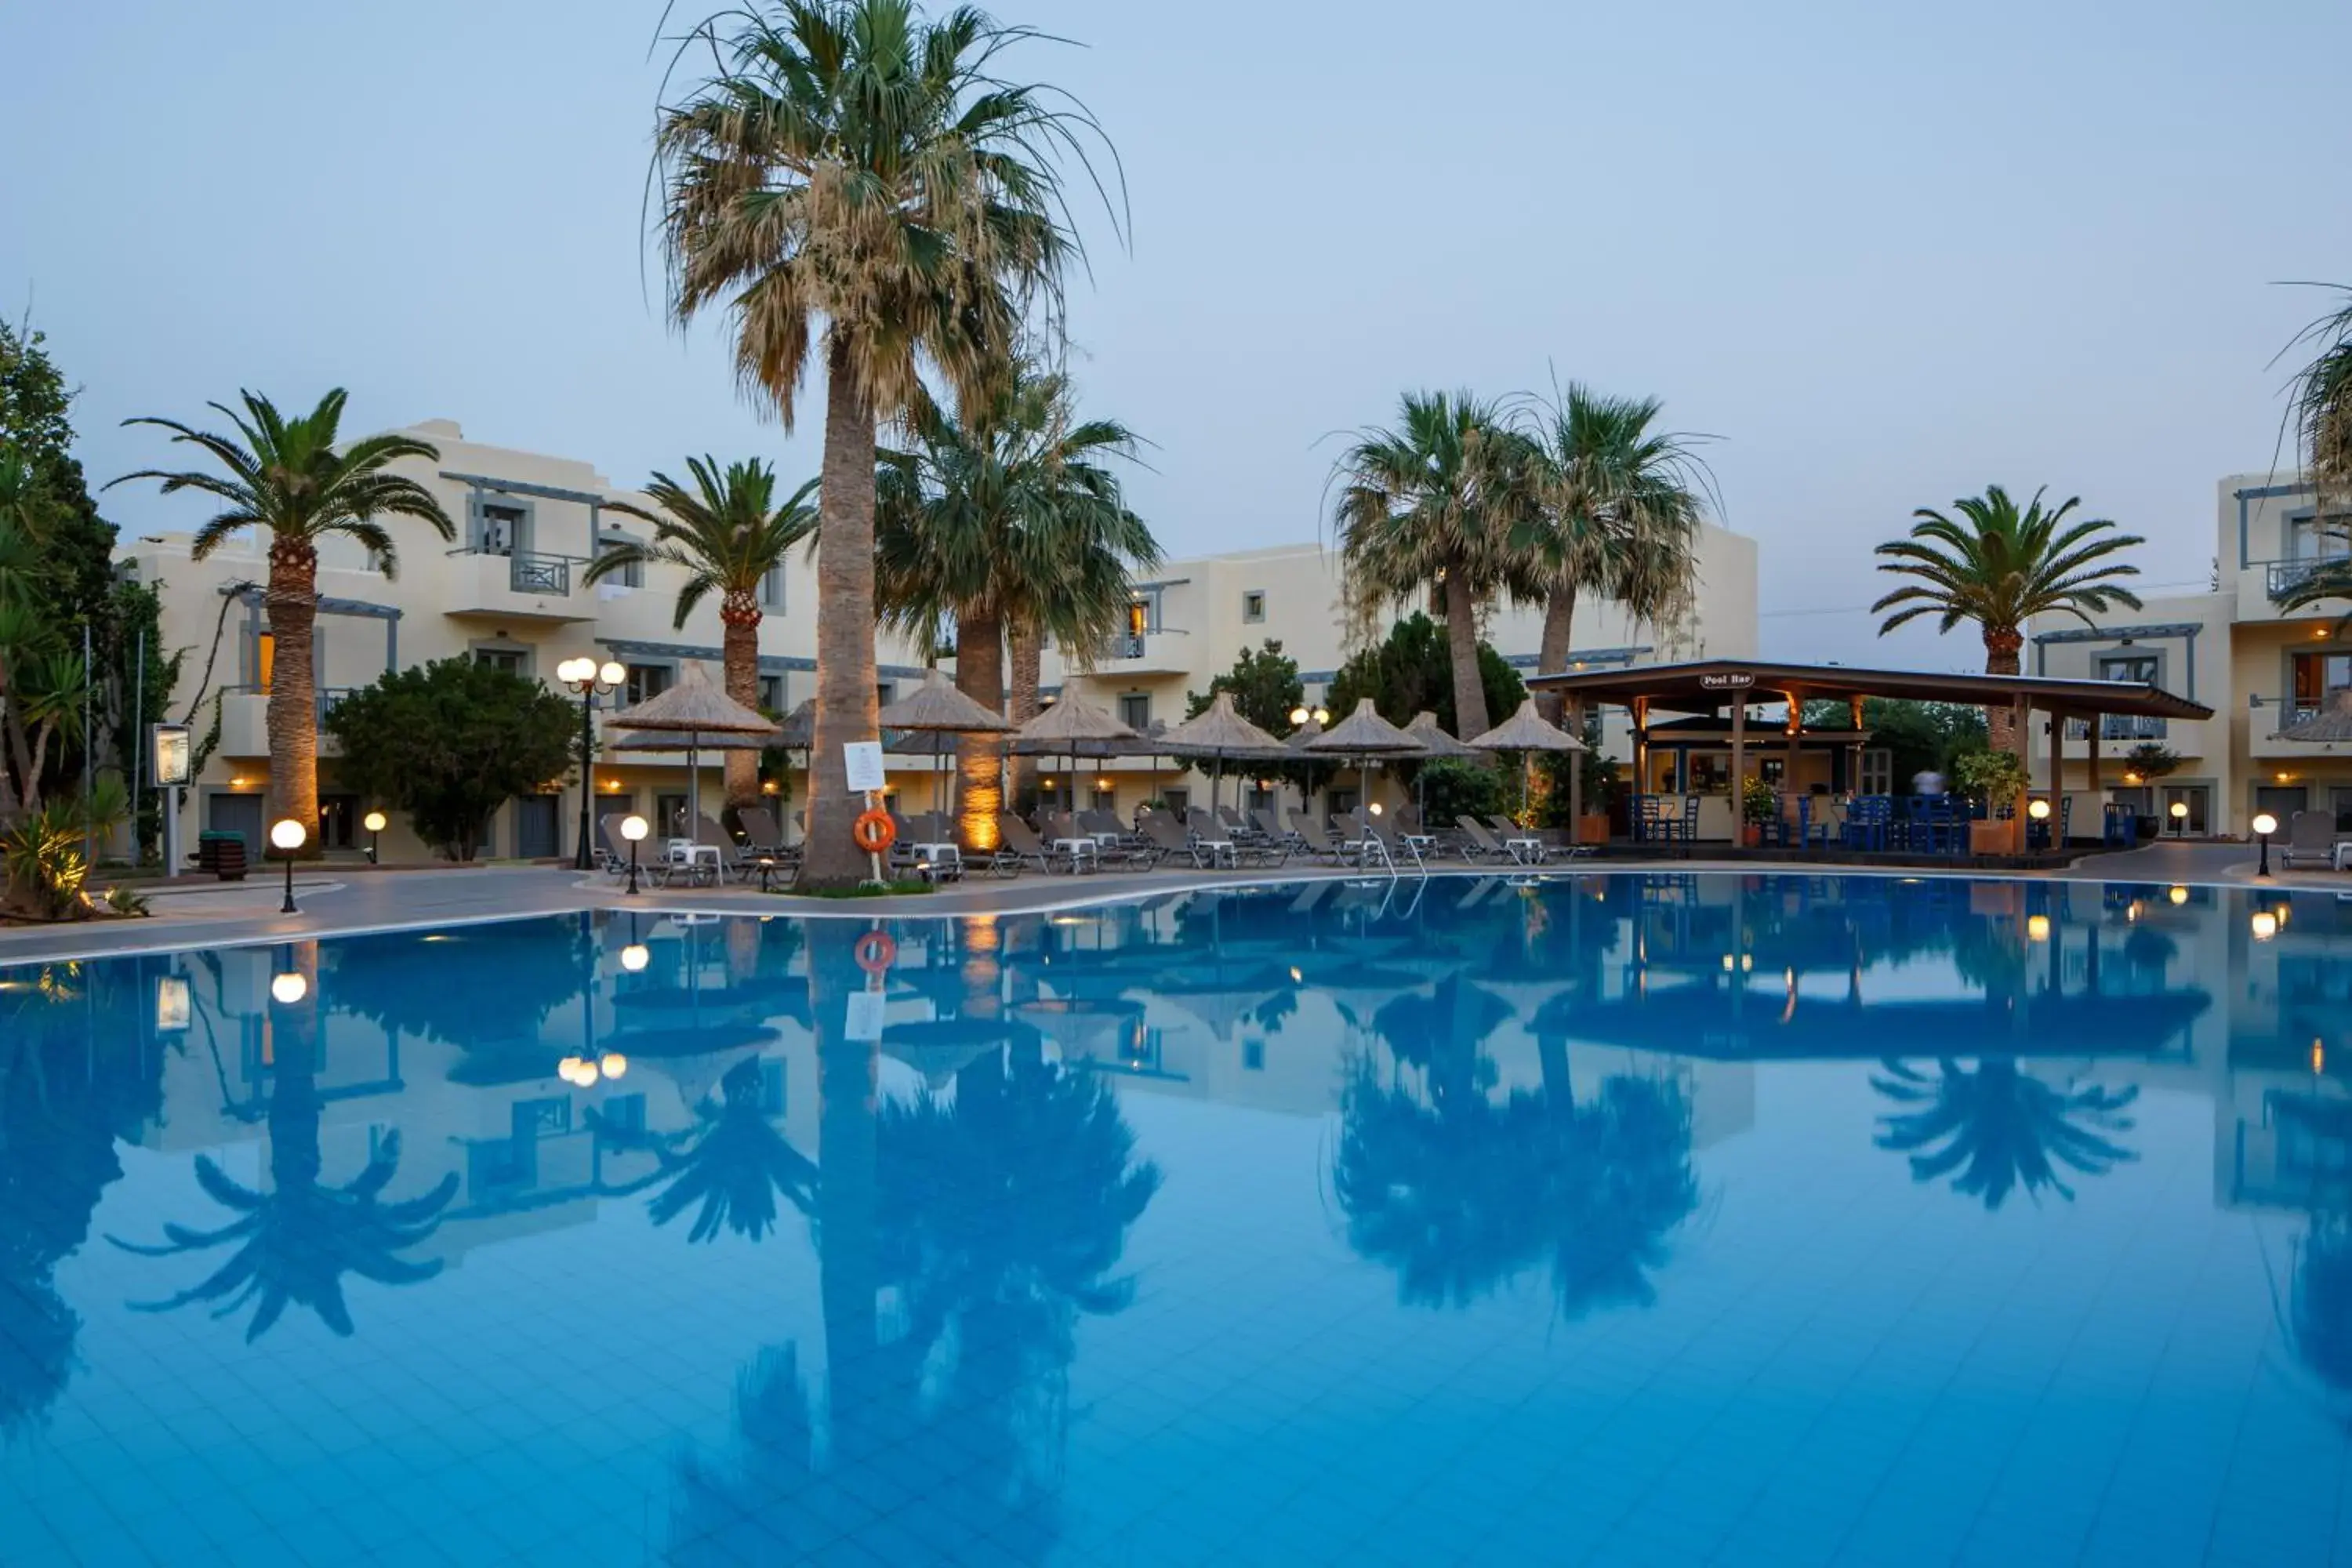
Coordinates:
[450,743]
[1412,669]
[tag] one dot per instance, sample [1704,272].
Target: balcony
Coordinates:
[2269,715]
[2120,727]
[245,721]
[1162,652]
[516,586]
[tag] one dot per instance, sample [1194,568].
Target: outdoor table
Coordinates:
[686,852]
[1079,849]
[2343,856]
[934,859]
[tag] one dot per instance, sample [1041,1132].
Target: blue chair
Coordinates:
[1650,824]
[2121,831]
[1868,824]
[1809,832]
[1689,828]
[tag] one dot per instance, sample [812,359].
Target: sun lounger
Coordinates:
[2311,837]
[1519,850]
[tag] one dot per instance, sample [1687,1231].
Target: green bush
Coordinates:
[46,872]
[1996,778]
[1457,786]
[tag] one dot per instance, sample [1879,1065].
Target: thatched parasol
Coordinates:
[1071,727]
[2332,723]
[937,708]
[696,708]
[1525,732]
[1436,740]
[1364,735]
[1219,733]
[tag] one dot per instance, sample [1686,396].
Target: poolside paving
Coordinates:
[338,900]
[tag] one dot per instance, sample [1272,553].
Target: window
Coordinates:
[1253,1056]
[670,816]
[2315,675]
[501,528]
[2312,538]
[1135,711]
[1253,605]
[1104,799]
[1877,771]
[624,1113]
[2339,801]
[647,681]
[632,576]
[2141,668]
[771,1087]
[1260,797]
[886,692]
[1178,801]
[265,661]
[772,693]
[771,588]
[510,659]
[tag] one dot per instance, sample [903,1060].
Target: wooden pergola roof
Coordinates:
[1707,686]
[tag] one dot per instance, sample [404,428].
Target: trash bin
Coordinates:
[222,854]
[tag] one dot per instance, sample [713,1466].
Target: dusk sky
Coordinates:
[1886,254]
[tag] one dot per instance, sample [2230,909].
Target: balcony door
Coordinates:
[2313,676]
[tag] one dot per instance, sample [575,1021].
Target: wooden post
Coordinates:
[2057,765]
[1640,708]
[1739,770]
[2094,752]
[1788,782]
[1853,756]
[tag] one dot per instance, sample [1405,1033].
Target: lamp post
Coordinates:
[2179,812]
[2039,810]
[634,828]
[1299,715]
[375,822]
[591,681]
[2264,825]
[288,835]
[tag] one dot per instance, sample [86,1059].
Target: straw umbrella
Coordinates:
[1524,731]
[1218,732]
[1435,743]
[938,708]
[1364,735]
[649,742]
[2331,723]
[1073,727]
[698,711]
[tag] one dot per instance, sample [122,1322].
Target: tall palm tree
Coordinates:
[2000,566]
[727,534]
[1621,506]
[1005,517]
[1439,505]
[853,167]
[294,480]
[2321,413]
[1999,1126]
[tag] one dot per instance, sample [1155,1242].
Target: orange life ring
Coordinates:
[874,831]
[875,951]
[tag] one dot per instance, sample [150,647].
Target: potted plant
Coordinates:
[1998,779]
[1759,803]
[2145,763]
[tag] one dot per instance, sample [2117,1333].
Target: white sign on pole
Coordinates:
[864,760]
[169,755]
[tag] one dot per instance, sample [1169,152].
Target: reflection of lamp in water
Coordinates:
[2178,894]
[2264,825]
[634,957]
[2318,1057]
[2037,927]
[2265,925]
[613,1065]
[288,988]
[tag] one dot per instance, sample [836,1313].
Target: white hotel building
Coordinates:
[510,591]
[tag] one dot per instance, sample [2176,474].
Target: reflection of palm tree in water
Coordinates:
[1460,1194]
[995,1219]
[733,1163]
[2317,1317]
[296,1242]
[2000,1126]
[73,1081]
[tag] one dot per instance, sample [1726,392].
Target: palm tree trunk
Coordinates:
[293,712]
[1559,624]
[1025,651]
[739,621]
[1462,642]
[2003,645]
[845,699]
[980,675]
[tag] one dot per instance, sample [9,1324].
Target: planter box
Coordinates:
[1993,837]
[1593,830]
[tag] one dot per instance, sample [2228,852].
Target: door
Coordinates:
[2197,798]
[239,813]
[610,810]
[338,815]
[535,827]
[670,816]
[2282,801]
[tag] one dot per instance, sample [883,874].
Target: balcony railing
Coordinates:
[530,574]
[2275,713]
[325,697]
[2286,576]
[2120,727]
[1132,644]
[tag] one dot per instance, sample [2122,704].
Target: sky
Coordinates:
[1886,255]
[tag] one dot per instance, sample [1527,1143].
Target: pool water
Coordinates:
[1619,1219]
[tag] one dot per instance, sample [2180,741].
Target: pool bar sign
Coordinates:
[1727,680]
[169,748]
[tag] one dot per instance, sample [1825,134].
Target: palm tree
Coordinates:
[853,165]
[1620,509]
[1005,520]
[2000,567]
[2321,414]
[1440,505]
[291,479]
[727,534]
[1999,1126]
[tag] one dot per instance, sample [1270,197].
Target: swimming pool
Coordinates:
[1613,1218]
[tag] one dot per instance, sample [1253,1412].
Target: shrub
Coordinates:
[1996,778]
[46,872]
[1457,786]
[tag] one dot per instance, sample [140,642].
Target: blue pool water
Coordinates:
[1621,1219]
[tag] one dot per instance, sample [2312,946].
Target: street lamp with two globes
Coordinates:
[591,681]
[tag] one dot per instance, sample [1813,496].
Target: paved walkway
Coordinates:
[205,914]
